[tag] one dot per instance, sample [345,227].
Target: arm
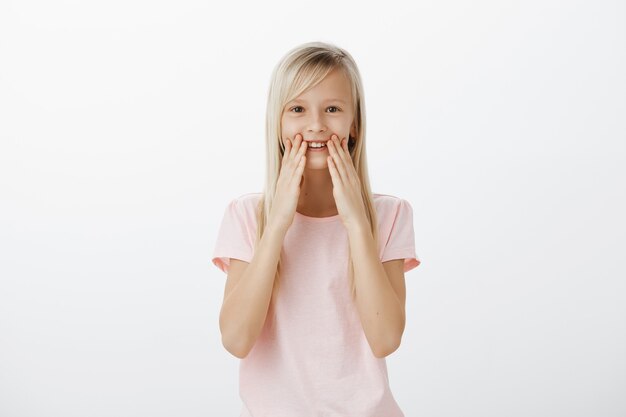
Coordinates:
[380,305]
[245,307]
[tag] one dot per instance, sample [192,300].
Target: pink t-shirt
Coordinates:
[315,359]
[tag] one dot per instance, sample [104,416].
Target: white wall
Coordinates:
[127,126]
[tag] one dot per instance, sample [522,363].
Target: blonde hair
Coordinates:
[300,69]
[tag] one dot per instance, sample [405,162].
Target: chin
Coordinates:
[317,166]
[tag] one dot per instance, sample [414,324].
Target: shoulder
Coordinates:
[392,210]
[248,198]
[387,202]
[246,204]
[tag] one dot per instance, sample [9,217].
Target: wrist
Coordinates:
[359,226]
[276,229]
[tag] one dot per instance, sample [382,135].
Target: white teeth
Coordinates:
[316,145]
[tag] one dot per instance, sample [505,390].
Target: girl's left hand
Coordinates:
[346,183]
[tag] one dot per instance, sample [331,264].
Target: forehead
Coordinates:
[335,86]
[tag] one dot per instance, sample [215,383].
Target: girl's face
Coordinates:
[318,113]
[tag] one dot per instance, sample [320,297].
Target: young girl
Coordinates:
[315,293]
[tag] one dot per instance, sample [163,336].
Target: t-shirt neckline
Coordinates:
[318,219]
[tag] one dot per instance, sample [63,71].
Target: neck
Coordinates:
[316,194]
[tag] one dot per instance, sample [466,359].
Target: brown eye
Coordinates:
[334,107]
[296,107]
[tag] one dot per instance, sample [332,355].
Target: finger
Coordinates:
[344,145]
[347,164]
[348,159]
[287,144]
[300,168]
[334,174]
[338,162]
[340,150]
[303,146]
[297,175]
[291,149]
[297,146]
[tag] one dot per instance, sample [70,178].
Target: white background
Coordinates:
[127,126]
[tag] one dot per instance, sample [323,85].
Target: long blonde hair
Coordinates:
[300,69]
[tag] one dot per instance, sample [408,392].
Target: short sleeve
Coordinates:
[401,239]
[234,238]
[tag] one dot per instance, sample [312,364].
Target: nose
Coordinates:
[316,122]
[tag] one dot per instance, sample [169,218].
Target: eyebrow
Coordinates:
[325,101]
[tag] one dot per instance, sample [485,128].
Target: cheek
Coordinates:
[290,130]
[287,129]
[342,125]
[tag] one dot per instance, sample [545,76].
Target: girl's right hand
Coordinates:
[287,192]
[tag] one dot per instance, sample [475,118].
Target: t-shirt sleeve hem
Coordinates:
[223,262]
[411,260]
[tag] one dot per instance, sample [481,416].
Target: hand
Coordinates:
[288,184]
[346,183]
